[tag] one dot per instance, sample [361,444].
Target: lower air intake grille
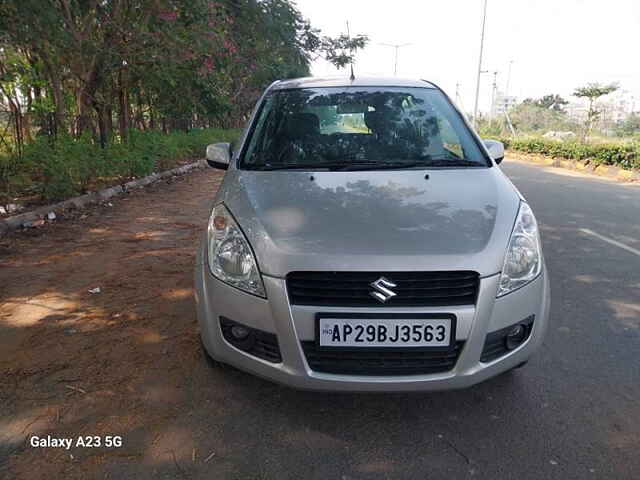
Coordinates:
[380,362]
[495,344]
[259,343]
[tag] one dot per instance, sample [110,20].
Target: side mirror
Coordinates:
[496,150]
[219,155]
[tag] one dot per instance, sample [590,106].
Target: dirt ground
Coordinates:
[127,362]
[119,362]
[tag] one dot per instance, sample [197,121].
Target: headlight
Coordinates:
[523,261]
[229,254]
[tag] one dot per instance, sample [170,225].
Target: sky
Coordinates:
[555,45]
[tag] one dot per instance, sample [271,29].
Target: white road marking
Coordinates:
[611,241]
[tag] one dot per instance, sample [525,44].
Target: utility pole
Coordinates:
[494,93]
[396,47]
[475,108]
[506,90]
[506,115]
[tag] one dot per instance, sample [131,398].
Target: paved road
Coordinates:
[572,413]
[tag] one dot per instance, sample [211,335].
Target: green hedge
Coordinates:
[626,155]
[68,167]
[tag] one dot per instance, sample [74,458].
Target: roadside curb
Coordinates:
[608,171]
[38,216]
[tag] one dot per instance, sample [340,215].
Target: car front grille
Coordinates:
[353,289]
[380,362]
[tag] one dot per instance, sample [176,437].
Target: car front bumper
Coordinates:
[293,324]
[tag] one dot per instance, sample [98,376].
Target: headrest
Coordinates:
[300,125]
[373,120]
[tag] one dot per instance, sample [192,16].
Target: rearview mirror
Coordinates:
[350,108]
[219,155]
[496,150]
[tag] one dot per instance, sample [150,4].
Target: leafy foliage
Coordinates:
[340,51]
[175,63]
[533,117]
[550,102]
[99,82]
[626,155]
[64,167]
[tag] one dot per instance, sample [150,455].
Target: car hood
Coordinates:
[456,219]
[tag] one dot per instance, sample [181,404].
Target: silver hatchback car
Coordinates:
[364,239]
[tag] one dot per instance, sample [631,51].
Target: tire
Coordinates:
[512,371]
[520,365]
[212,362]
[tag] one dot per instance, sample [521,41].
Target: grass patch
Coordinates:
[55,170]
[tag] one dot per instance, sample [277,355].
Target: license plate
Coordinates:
[338,331]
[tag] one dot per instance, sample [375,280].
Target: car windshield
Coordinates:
[356,128]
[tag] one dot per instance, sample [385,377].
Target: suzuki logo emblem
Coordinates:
[382,286]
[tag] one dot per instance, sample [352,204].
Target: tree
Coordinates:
[629,126]
[553,102]
[592,92]
[530,117]
[85,66]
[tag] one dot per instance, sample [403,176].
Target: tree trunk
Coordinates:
[152,116]
[102,124]
[16,113]
[83,122]
[57,94]
[26,118]
[88,100]
[140,114]
[109,119]
[589,124]
[123,109]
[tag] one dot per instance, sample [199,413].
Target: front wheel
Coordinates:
[212,362]
[512,370]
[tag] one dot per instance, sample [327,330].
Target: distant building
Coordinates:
[614,110]
[611,111]
[577,111]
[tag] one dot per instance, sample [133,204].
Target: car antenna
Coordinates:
[352,77]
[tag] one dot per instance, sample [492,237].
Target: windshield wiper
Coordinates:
[452,162]
[307,166]
[380,165]
[280,166]
[449,161]
[355,166]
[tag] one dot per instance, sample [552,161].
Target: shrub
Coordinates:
[626,155]
[68,166]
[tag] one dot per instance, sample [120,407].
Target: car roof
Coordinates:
[319,82]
